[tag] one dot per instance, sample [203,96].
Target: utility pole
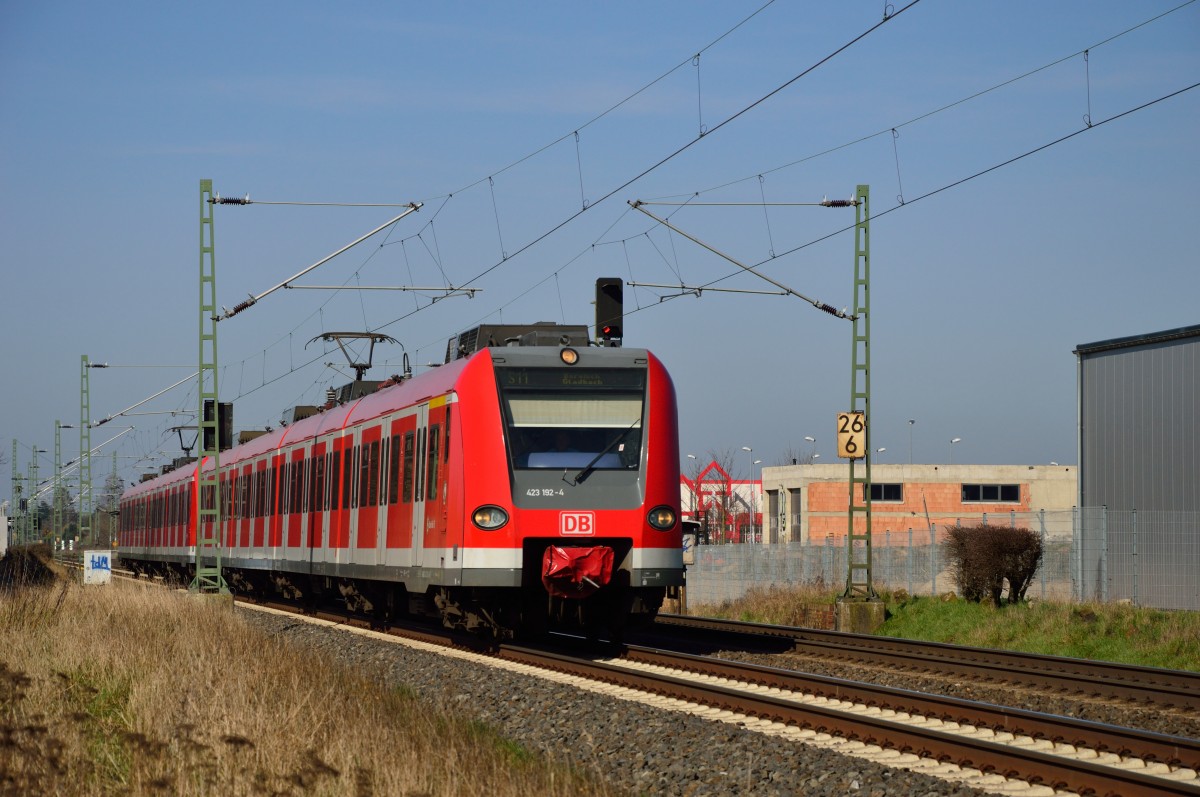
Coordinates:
[858,544]
[34,515]
[114,517]
[208,577]
[16,495]
[56,496]
[85,455]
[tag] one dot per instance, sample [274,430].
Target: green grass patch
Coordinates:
[513,753]
[1103,632]
[103,716]
[1113,632]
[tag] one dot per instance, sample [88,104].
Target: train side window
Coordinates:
[384,461]
[304,479]
[333,473]
[318,489]
[420,463]
[446,452]
[329,480]
[364,473]
[347,476]
[372,473]
[285,488]
[431,483]
[409,450]
[283,491]
[394,471]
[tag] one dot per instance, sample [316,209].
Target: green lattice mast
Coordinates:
[34,515]
[56,498]
[858,545]
[16,496]
[208,516]
[85,455]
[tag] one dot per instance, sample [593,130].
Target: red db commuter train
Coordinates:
[516,487]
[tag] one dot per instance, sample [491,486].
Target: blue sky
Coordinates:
[114,113]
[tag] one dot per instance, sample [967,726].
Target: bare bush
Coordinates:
[984,558]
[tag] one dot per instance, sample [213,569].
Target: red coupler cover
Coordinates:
[576,572]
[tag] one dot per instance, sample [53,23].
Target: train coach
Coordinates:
[516,487]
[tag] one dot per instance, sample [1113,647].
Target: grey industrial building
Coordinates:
[1139,469]
[1139,446]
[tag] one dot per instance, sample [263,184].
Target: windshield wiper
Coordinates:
[591,466]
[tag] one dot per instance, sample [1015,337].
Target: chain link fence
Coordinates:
[1146,558]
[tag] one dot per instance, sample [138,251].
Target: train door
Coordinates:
[316,502]
[435,477]
[339,498]
[244,499]
[261,510]
[420,442]
[275,503]
[385,462]
[368,495]
[401,462]
[294,521]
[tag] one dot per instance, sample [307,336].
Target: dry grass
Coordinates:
[125,690]
[793,605]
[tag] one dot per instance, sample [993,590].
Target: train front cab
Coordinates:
[589,465]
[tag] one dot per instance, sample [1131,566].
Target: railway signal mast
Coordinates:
[212,418]
[208,578]
[85,454]
[859,600]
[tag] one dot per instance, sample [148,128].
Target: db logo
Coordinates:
[578,524]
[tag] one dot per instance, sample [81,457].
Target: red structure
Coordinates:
[722,505]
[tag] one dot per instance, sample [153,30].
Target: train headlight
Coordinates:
[568,356]
[662,518]
[489,518]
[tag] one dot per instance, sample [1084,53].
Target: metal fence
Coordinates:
[1092,554]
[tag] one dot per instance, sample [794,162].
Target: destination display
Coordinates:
[566,378]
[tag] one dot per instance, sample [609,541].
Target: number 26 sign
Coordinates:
[852,435]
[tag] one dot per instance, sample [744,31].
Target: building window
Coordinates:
[885,492]
[991,493]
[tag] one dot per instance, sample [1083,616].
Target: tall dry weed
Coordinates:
[793,605]
[107,690]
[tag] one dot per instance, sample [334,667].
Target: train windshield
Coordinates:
[573,418]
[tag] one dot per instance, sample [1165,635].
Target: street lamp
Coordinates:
[880,450]
[812,440]
[953,440]
[911,422]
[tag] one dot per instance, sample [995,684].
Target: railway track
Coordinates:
[988,746]
[1147,686]
[1063,752]
[891,726]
